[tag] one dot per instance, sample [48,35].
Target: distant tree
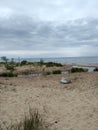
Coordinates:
[19,61]
[12,60]
[4,58]
[24,62]
[41,62]
[10,65]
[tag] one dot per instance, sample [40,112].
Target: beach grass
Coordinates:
[34,121]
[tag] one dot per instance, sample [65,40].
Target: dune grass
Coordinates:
[33,121]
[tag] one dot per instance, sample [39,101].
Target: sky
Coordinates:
[48,28]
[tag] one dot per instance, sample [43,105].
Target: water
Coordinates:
[67,60]
[29,75]
[89,69]
[64,60]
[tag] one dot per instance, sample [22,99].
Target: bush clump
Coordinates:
[96,69]
[24,62]
[51,64]
[56,72]
[9,67]
[8,74]
[33,121]
[74,70]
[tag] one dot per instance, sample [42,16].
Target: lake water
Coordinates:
[65,60]
[90,69]
[68,60]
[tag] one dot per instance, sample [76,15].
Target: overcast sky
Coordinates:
[48,28]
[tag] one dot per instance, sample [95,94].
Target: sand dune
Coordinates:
[65,106]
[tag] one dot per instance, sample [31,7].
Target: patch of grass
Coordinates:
[56,72]
[74,70]
[33,121]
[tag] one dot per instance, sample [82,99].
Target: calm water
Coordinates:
[68,60]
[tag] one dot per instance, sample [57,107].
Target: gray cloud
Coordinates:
[45,26]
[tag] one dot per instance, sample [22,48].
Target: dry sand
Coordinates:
[64,106]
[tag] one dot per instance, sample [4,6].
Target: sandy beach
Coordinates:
[48,64]
[71,106]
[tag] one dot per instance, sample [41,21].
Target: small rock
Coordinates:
[65,81]
[56,121]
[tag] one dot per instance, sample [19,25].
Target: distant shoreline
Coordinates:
[92,61]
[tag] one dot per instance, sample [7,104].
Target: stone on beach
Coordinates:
[65,81]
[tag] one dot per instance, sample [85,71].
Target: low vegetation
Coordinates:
[8,74]
[96,69]
[24,62]
[41,63]
[51,64]
[56,72]
[9,66]
[74,70]
[33,121]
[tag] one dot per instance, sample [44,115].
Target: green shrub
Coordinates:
[51,64]
[96,69]
[56,72]
[8,74]
[9,67]
[24,62]
[73,70]
[17,64]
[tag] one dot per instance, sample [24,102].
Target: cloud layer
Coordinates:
[48,28]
